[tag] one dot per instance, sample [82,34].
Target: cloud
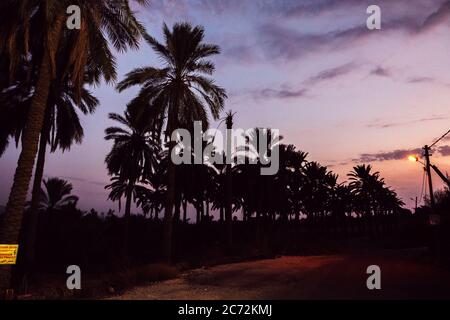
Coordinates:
[279,93]
[420,80]
[331,73]
[280,41]
[381,72]
[399,154]
[319,7]
[276,32]
[444,150]
[438,17]
[287,92]
[381,125]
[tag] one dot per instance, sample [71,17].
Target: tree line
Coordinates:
[46,75]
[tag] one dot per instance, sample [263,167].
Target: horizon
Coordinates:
[343,94]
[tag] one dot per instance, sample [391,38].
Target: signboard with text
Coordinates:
[8,253]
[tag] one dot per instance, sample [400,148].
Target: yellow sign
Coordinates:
[8,253]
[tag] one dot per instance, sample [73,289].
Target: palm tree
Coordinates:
[316,189]
[61,129]
[135,152]
[56,194]
[43,20]
[132,159]
[364,183]
[179,90]
[229,185]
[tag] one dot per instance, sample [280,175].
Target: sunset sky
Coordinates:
[344,94]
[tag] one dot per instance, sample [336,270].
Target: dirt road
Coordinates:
[404,275]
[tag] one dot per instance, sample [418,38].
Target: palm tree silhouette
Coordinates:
[56,194]
[363,183]
[178,90]
[43,21]
[61,129]
[132,159]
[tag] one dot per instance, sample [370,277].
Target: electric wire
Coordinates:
[442,137]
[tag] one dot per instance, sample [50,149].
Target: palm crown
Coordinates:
[179,91]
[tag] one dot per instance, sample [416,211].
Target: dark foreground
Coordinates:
[405,274]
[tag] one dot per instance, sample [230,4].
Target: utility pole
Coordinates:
[229,185]
[427,168]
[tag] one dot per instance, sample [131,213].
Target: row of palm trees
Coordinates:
[301,189]
[45,69]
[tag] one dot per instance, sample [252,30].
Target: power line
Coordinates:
[442,137]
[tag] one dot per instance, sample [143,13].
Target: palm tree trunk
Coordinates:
[221,214]
[16,202]
[229,189]
[34,207]
[167,243]
[176,215]
[126,226]
[30,221]
[198,218]
[202,206]
[184,210]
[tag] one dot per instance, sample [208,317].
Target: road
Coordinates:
[404,275]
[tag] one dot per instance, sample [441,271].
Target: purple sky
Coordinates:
[312,69]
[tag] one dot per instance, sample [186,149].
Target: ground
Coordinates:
[405,274]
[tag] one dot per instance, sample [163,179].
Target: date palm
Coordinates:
[43,20]
[132,159]
[178,93]
[61,128]
[364,183]
[56,194]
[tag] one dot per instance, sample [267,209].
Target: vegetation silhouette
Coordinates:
[302,209]
[43,22]
[179,93]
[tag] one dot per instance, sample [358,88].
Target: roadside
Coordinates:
[404,275]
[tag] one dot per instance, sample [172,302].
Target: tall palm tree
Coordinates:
[132,159]
[44,20]
[178,93]
[61,128]
[56,194]
[229,184]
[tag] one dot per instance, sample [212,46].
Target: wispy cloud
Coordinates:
[286,38]
[421,80]
[331,73]
[280,93]
[400,154]
[438,17]
[383,125]
[286,92]
[381,72]
[444,150]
